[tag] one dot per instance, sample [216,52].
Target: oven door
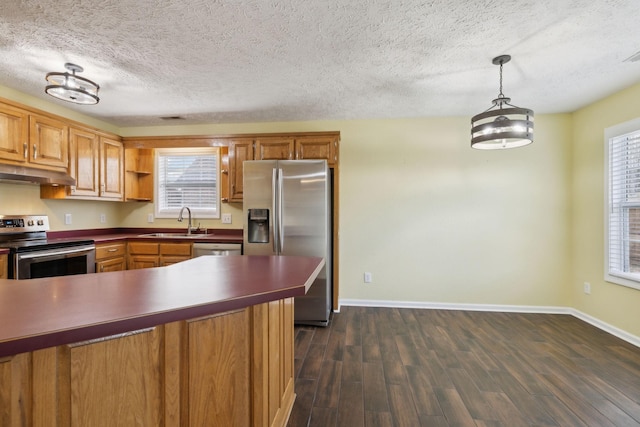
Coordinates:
[50,262]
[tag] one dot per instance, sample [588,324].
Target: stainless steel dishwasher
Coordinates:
[217,249]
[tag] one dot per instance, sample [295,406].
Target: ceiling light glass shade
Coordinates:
[70,87]
[503,125]
[502,128]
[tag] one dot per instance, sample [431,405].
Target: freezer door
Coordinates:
[259,188]
[304,210]
[306,230]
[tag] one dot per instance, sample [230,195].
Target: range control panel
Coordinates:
[23,223]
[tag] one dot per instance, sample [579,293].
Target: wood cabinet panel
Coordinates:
[112,264]
[272,363]
[48,142]
[219,370]
[176,249]
[136,262]
[15,390]
[14,134]
[111,257]
[321,148]
[111,168]
[157,254]
[239,151]
[84,167]
[274,148]
[222,370]
[110,250]
[4,266]
[145,248]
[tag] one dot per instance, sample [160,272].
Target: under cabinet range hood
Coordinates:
[23,174]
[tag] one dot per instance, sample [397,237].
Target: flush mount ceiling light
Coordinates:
[70,87]
[500,127]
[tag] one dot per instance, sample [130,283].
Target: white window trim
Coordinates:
[621,129]
[195,213]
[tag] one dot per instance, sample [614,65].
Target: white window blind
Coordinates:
[623,221]
[187,177]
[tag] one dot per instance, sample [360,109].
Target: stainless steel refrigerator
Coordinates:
[287,211]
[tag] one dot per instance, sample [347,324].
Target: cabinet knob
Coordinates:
[25,149]
[224,199]
[35,151]
[224,171]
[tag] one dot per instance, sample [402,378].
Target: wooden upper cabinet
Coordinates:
[14,134]
[83,159]
[111,168]
[48,142]
[274,149]
[320,147]
[239,151]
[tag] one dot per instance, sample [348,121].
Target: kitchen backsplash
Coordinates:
[86,214]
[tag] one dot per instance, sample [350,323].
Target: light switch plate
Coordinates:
[67,219]
[226,218]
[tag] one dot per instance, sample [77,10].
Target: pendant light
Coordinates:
[70,87]
[503,125]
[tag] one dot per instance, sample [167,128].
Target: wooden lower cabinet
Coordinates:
[111,257]
[4,266]
[145,254]
[229,369]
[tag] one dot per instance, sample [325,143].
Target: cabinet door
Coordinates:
[143,261]
[274,149]
[3,266]
[323,148]
[112,264]
[111,168]
[172,259]
[239,151]
[48,142]
[14,131]
[83,148]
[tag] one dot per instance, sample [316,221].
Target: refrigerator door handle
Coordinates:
[280,212]
[274,203]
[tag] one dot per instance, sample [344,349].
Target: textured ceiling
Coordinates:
[224,61]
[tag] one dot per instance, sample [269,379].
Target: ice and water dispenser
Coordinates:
[258,226]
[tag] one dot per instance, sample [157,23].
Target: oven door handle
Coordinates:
[55,252]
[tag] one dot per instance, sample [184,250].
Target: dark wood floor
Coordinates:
[410,367]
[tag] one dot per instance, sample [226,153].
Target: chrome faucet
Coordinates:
[180,218]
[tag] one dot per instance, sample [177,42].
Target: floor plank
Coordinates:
[390,367]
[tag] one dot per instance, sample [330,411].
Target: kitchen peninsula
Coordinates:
[208,341]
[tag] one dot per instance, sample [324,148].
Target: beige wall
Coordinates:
[610,303]
[435,221]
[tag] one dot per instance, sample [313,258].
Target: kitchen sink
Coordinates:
[175,235]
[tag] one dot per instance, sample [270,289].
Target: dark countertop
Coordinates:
[115,234]
[41,313]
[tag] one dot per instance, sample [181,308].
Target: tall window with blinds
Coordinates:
[187,177]
[623,212]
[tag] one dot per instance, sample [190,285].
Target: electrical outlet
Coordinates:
[103,218]
[368,278]
[587,288]
[150,218]
[226,218]
[67,219]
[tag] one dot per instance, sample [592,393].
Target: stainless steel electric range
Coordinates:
[33,255]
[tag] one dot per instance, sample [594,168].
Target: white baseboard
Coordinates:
[630,338]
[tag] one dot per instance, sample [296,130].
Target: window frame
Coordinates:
[631,280]
[213,213]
